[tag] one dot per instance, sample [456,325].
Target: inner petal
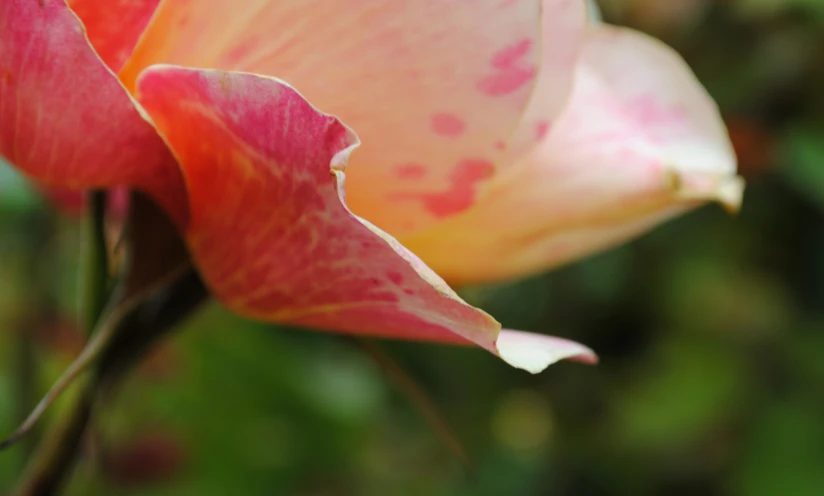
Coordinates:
[435,83]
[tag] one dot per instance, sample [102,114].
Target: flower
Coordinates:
[499,138]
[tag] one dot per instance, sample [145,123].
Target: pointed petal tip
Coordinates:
[535,352]
[727,190]
[730,194]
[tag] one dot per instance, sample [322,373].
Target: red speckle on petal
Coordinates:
[505,83]
[395,277]
[510,72]
[411,171]
[461,194]
[541,129]
[510,55]
[446,124]
[473,170]
[500,145]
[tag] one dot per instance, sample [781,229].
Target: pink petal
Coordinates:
[269,229]
[66,120]
[114,26]
[431,85]
[646,86]
[640,142]
[563,27]
[72,202]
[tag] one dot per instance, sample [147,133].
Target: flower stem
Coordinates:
[56,455]
[26,376]
[96,271]
[137,333]
[156,288]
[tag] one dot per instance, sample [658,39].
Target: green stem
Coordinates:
[26,378]
[55,457]
[96,270]
[156,289]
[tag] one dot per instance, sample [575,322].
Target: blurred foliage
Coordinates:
[710,332]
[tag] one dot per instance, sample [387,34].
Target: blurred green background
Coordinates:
[710,331]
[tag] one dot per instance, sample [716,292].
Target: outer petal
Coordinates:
[69,201]
[640,142]
[72,202]
[269,228]
[434,87]
[65,120]
[114,26]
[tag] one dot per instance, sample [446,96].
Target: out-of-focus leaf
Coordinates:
[784,454]
[677,397]
[15,193]
[704,294]
[803,166]
[769,8]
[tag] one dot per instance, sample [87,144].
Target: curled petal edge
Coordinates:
[529,351]
[523,350]
[433,307]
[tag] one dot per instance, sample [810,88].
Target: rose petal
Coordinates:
[535,352]
[114,26]
[72,202]
[671,116]
[563,23]
[434,87]
[66,120]
[269,229]
[640,142]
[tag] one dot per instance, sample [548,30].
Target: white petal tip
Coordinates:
[536,352]
[726,190]
[730,193]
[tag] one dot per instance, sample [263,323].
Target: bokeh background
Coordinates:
[710,331]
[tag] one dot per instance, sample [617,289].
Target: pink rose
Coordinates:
[499,138]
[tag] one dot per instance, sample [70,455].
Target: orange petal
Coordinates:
[434,87]
[114,26]
[65,119]
[640,142]
[270,231]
